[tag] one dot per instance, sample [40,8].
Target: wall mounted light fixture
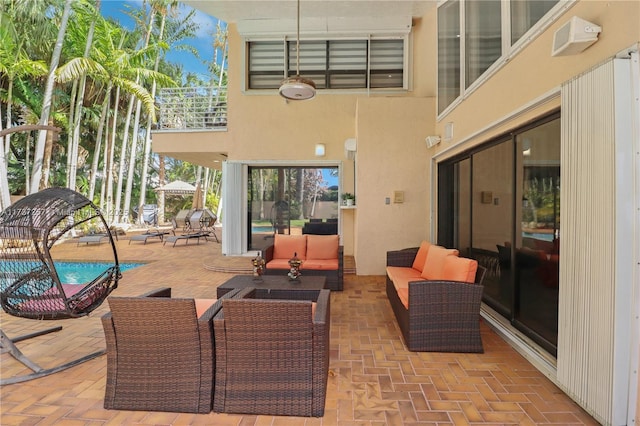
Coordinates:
[432,141]
[350,147]
[319,150]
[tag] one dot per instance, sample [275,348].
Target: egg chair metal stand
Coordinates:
[30,286]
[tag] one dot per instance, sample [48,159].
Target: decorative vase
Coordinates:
[294,267]
[349,201]
[258,267]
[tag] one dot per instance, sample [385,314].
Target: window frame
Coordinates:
[406,61]
[509,51]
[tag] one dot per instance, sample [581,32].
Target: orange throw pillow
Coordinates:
[421,256]
[322,247]
[285,246]
[460,269]
[434,263]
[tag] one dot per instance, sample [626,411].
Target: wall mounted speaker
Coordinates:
[574,37]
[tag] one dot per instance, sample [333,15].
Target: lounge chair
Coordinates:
[149,234]
[192,236]
[92,238]
[203,221]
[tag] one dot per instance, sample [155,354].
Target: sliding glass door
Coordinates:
[499,204]
[291,200]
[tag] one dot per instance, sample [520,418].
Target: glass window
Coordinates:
[331,64]
[483,40]
[291,200]
[448,54]
[266,59]
[525,13]
[387,63]
[485,35]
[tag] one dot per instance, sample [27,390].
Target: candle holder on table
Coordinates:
[294,267]
[258,267]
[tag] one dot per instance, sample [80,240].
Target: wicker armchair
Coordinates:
[160,353]
[272,354]
[443,316]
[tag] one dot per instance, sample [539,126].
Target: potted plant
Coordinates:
[348,199]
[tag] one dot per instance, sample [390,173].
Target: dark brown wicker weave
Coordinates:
[272,356]
[160,356]
[443,316]
[335,279]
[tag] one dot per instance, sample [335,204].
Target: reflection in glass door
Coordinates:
[537,243]
[500,204]
[492,219]
[291,200]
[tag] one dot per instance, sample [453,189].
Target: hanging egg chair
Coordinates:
[30,286]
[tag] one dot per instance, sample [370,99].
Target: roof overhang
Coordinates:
[263,17]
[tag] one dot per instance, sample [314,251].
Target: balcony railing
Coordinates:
[192,108]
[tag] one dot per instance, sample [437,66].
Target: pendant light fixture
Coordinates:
[297,88]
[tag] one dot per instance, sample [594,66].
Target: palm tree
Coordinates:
[38,158]
[77,109]
[114,66]
[14,65]
[171,32]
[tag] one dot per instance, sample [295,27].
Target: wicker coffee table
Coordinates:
[283,284]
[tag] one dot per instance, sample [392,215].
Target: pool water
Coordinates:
[261,228]
[82,272]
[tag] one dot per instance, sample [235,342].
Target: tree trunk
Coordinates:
[46,161]
[134,142]
[72,150]
[120,215]
[38,158]
[147,140]
[96,151]
[161,179]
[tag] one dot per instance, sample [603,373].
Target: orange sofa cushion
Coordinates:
[459,269]
[434,263]
[320,264]
[322,247]
[403,294]
[279,264]
[401,276]
[285,246]
[421,256]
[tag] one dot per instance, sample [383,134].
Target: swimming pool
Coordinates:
[261,228]
[83,272]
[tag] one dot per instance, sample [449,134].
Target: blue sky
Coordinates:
[202,42]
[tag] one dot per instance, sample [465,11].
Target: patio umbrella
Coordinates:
[197,198]
[177,187]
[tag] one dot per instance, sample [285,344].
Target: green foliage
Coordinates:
[28,32]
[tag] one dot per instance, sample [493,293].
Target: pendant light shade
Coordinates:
[297,88]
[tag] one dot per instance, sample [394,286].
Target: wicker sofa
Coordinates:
[320,255]
[272,352]
[160,352]
[436,297]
